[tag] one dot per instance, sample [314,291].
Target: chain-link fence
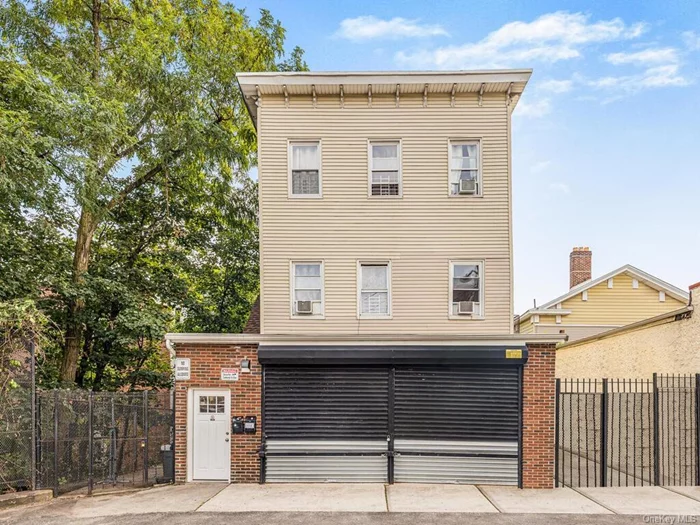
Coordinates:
[87,441]
[628,432]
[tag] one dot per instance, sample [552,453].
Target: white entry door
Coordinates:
[212,435]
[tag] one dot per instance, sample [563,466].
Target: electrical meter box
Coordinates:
[251,424]
[237,425]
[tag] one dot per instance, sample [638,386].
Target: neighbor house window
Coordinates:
[466,289]
[374,282]
[465,175]
[305,165]
[385,168]
[307,289]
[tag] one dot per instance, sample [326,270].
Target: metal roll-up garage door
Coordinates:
[325,423]
[457,424]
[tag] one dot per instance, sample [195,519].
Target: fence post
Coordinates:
[604,434]
[145,430]
[697,429]
[33,402]
[656,431]
[90,443]
[55,443]
[557,424]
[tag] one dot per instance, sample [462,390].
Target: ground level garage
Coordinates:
[366,413]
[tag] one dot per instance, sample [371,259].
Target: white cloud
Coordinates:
[539,167]
[550,38]
[536,109]
[561,187]
[556,86]
[371,27]
[651,56]
[691,39]
[653,77]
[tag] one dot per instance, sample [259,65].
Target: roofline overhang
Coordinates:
[641,275]
[250,83]
[365,340]
[380,77]
[543,311]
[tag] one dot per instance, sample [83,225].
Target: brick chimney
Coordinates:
[579,265]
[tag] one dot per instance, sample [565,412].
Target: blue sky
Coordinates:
[605,139]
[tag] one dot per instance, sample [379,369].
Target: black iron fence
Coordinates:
[71,440]
[628,432]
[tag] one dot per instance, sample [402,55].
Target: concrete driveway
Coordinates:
[362,503]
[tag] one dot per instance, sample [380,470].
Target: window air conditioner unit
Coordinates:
[467,187]
[466,307]
[305,307]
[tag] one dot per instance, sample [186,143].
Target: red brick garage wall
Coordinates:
[206,362]
[538,417]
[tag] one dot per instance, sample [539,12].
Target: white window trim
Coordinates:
[360,263]
[584,295]
[610,282]
[292,314]
[369,167]
[472,140]
[662,296]
[635,284]
[482,286]
[290,143]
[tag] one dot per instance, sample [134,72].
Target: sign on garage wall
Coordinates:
[182,369]
[229,374]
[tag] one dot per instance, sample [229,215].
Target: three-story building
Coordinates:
[384,347]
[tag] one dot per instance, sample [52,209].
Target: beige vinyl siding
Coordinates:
[619,305]
[419,232]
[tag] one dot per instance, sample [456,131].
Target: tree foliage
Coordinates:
[125,205]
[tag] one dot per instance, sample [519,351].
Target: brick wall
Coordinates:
[538,417]
[206,362]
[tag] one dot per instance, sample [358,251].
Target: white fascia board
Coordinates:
[369,340]
[646,278]
[543,311]
[381,77]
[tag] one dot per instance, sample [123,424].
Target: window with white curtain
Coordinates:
[466,289]
[305,165]
[465,175]
[307,286]
[374,289]
[385,168]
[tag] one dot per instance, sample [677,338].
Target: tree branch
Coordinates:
[139,181]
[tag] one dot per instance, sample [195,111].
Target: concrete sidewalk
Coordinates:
[195,499]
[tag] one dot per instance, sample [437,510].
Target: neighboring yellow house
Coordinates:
[665,344]
[593,306]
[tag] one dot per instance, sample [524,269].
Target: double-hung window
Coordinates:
[375,299]
[307,289]
[466,289]
[385,168]
[465,172]
[305,167]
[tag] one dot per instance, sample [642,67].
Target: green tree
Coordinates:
[104,98]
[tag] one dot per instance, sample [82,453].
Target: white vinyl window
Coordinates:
[305,169]
[307,289]
[465,172]
[385,169]
[466,289]
[375,299]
